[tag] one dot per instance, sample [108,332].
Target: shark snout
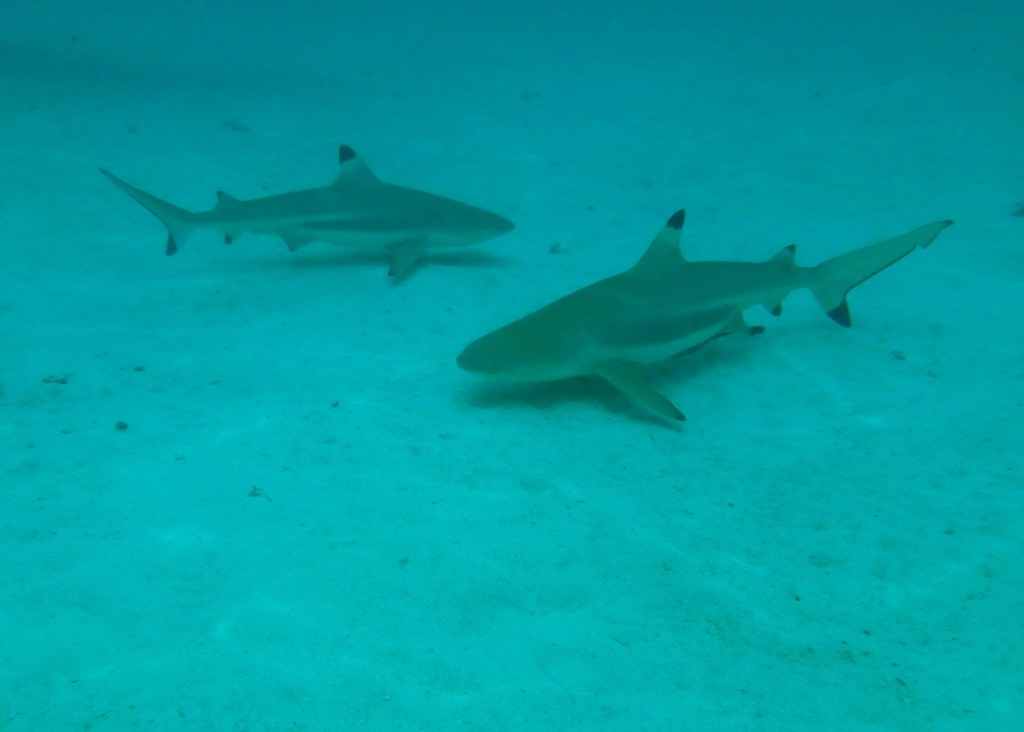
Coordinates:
[502,355]
[470,360]
[490,225]
[487,356]
[472,227]
[503,225]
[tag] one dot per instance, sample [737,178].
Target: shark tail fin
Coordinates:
[179,222]
[831,280]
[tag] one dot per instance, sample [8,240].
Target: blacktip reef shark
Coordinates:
[667,307]
[358,210]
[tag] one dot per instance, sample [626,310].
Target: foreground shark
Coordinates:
[666,307]
[357,210]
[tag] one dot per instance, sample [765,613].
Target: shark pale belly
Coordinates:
[666,307]
[357,210]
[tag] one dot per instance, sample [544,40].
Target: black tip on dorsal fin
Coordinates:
[676,220]
[664,249]
[785,257]
[354,171]
[225,199]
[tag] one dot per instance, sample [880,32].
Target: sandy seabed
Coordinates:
[309,518]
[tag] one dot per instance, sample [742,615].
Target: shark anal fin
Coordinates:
[404,255]
[629,378]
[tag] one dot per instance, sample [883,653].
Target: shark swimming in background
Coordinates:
[667,307]
[357,210]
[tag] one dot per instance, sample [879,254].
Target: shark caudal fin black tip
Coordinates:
[841,314]
[178,221]
[831,280]
[345,153]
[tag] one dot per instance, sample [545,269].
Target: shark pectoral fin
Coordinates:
[295,243]
[629,378]
[404,255]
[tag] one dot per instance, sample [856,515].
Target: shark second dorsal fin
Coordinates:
[664,250]
[785,257]
[224,200]
[354,172]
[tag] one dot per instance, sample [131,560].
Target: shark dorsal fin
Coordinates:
[354,172]
[664,250]
[225,199]
[785,257]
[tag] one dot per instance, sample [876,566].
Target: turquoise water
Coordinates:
[248,489]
